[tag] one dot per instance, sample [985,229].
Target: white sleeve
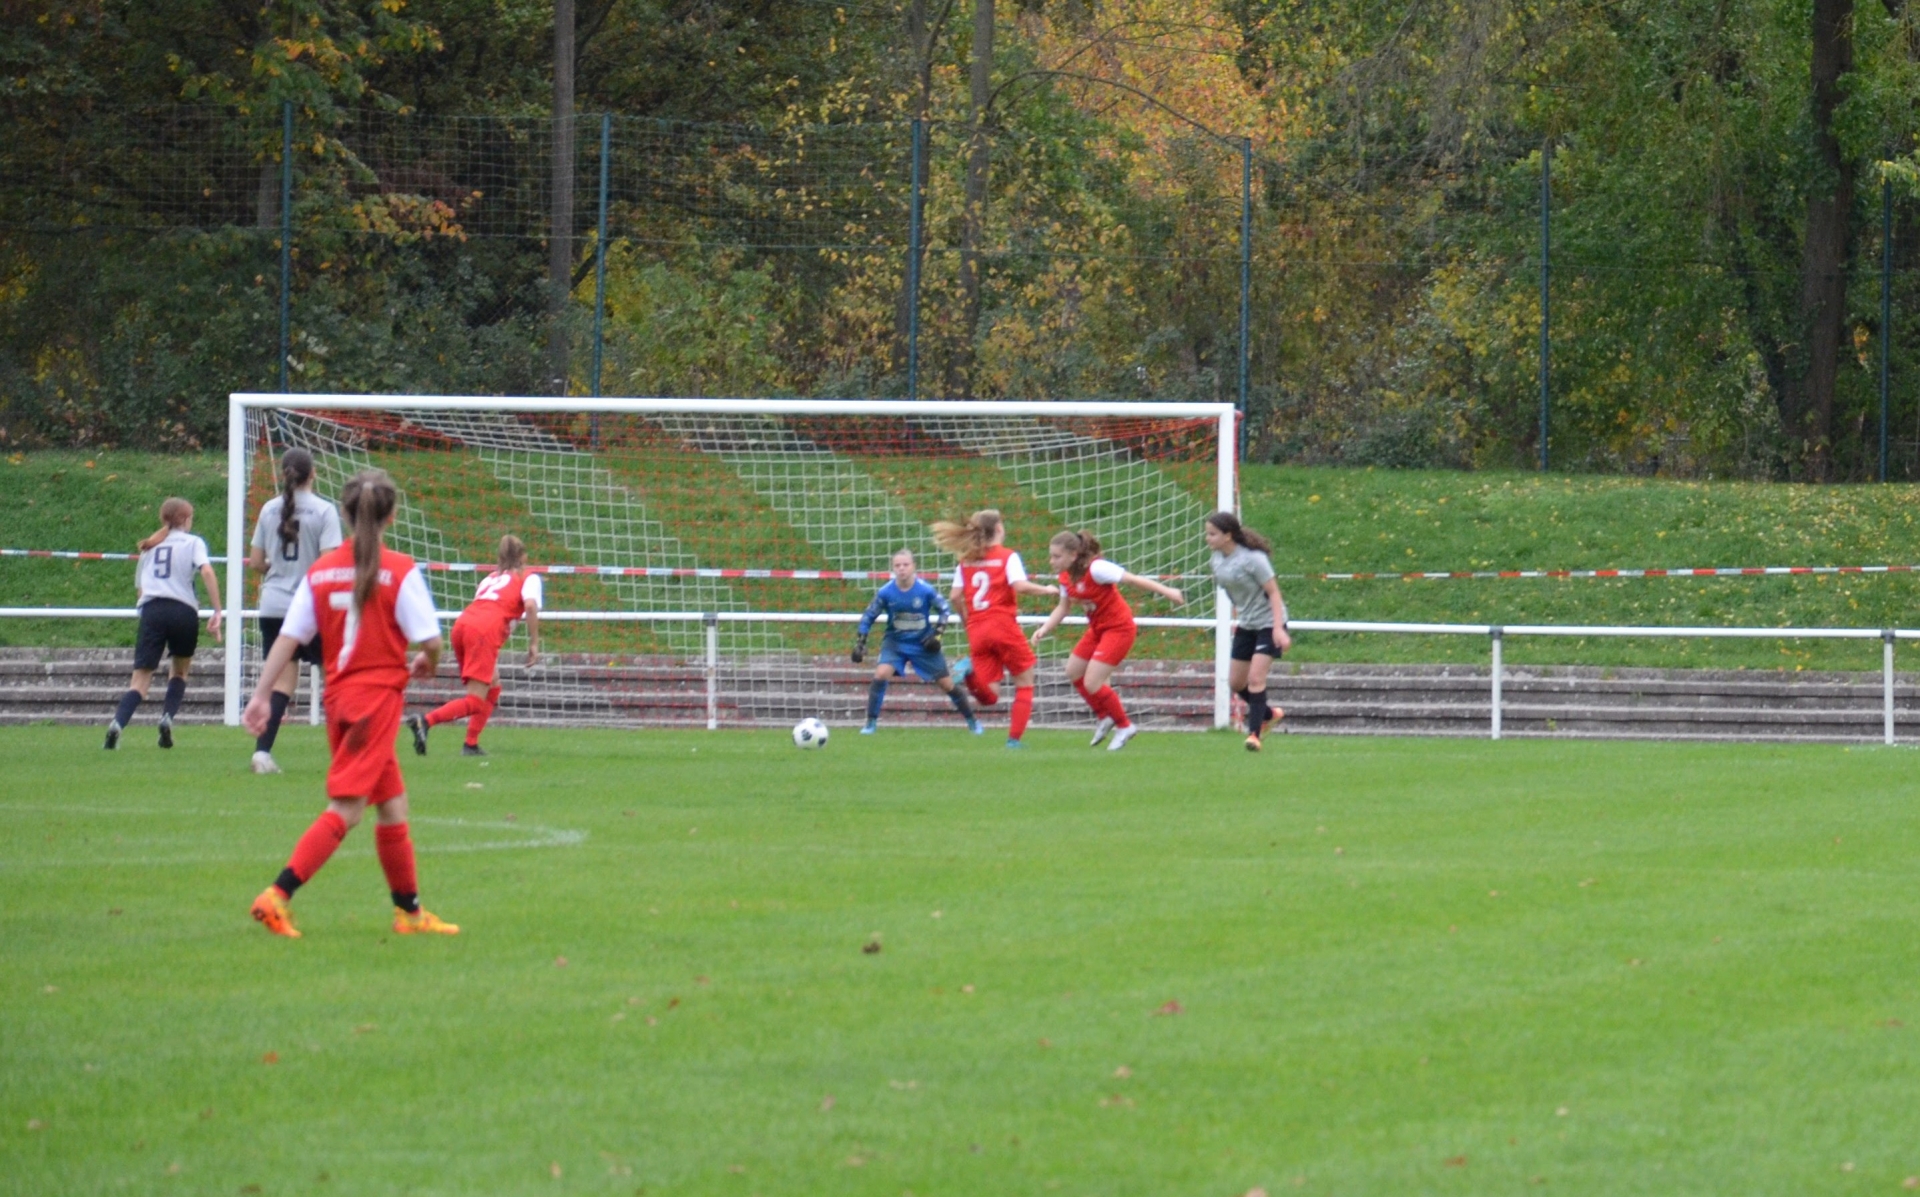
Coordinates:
[1016,569]
[1104,571]
[532,592]
[260,530]
[300,622]
[330,537]
[413,609]
[200,556]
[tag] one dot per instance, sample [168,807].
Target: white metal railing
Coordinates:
[1496,634]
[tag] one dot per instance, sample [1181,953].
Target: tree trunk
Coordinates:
[560,230]
[973,218]
[1806,410]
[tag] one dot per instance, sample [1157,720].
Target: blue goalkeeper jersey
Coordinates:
[913,614]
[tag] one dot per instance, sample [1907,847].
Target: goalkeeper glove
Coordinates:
[932,642]
[859,649]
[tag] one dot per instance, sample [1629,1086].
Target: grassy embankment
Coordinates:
[1321,519]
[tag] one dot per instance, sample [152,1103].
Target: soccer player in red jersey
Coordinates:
[1094,582]
[985,584]
[507,594]
[366,603]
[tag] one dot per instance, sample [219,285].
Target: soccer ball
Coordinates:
[809,733]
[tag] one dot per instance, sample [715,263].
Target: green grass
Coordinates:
[1323,520]
[1400,966]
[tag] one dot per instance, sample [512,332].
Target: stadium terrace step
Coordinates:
[80,686]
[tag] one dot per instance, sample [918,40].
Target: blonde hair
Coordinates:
[1083,545]
[174,513]
[368,499]
[968,541]
[513,552]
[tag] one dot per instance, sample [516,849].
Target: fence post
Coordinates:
[1886,679]
[286,238]
[600,267]
[1886,321]
[712,620]
[1546,275]
[1496,634]
[313,695]
[1246,278]
[914,203]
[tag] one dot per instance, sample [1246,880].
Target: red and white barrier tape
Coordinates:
[852,575]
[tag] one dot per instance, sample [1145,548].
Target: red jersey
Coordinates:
[501,598]
[363,647]
[986,591]
[1098,593]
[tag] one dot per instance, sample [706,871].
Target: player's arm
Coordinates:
[419,622]
[532,592]
[865,629]
[1019,583]
[212,583]
[1160,588]
[1054,617]
[1281,639]
[299,626]
[257,551]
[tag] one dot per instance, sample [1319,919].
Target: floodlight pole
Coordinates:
[1546,276]
[600,261]
[286,238]
[915,198]
[1886,324]
[1246,275]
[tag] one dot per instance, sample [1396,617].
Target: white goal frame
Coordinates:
[1224,415]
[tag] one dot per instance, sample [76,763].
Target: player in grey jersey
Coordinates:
[294,528]
[169,616]
[1242,568]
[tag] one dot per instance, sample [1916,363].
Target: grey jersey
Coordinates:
[1243,574]
[289,561]
[167,569]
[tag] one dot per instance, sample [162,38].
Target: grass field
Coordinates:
[1344,966]
[1323,520]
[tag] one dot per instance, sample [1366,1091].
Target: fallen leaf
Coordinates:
[206,1114]
[855,1161]
[826,1103]
[559,962]
[1114,1101]
[270,1058]
[693,831]
[1256,1193]
[474,785]
[555,1170]
[1561,1112]
[966,989]
[173,1169]
[34,1124]
[1911,1182]
[633,1001]
[627,813]
[366,1028]
[1171,1008]
[1848,1166]
[1493,893]
[249,1188]
[1123,1072]
[1634,963]
[938,914]
[1893,1023]
[652,1021]
[1587,882]
[114,910]
[1339,851]
[1455,1161]
[619,1016]
[736,1169]
[702,981]
[511,818]
[51,989]
[672,1002]
[904,1084]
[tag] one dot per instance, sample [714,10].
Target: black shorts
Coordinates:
[270,632]
[1251,642]
[166,625]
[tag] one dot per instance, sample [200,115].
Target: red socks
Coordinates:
[1104,703]
[478,720]
[982,693]
[316,847]
[460,708]
[1022,711]
[395,847]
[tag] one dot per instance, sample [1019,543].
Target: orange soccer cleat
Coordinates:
[271,911]
[421,922]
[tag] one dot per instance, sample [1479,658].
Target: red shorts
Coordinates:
[362,722]
[998,653]
[1107,645]
[476,647]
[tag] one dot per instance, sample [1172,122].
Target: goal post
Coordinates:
[705,558]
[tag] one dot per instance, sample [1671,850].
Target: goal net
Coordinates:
[705,560]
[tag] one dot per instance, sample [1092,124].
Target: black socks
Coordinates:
[176,694]
[129,703]
[958,697]
[288,881]
[407,902]
[277,704]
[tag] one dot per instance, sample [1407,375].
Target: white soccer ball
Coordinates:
[809,733]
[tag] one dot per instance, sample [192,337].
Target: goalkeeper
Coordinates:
[916,613]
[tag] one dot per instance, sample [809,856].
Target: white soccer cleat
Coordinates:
[263,762]
[1100,731]
[1121,737]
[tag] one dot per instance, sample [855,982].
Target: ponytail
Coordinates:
[1084,546]
[296,470]
[368,499]
[1229,523]
[174,513]
[968,541]
[513,553]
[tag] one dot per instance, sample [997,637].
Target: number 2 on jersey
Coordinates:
[981,581]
